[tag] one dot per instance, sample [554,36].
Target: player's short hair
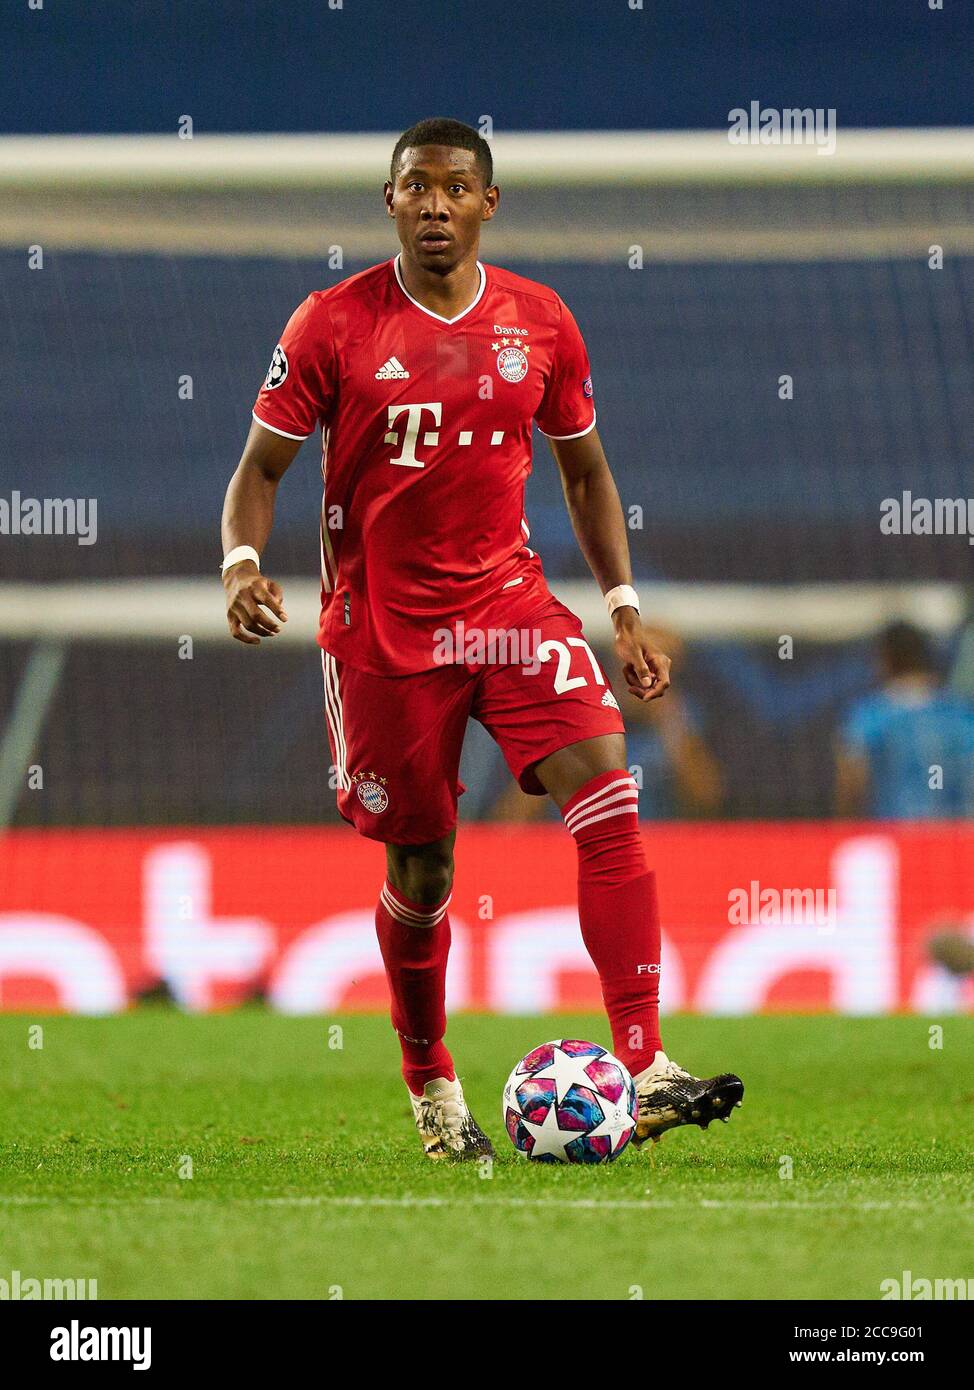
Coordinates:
[905,649]
[442,130]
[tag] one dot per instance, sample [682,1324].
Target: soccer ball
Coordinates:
[570,1102]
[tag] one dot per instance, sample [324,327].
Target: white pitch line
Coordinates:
[490,1203]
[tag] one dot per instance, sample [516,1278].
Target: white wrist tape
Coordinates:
[622,596]
[238,553]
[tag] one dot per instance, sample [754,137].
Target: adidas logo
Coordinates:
[609,700]
[393,370]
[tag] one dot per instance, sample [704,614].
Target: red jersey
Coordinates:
[426,446]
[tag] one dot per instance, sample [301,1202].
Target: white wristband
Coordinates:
[238,553]
[622,596]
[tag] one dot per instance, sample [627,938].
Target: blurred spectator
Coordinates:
[960,681]
[906,751]
[665,748]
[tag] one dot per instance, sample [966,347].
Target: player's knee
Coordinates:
[422,874]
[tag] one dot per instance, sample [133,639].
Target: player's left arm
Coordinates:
[596,513]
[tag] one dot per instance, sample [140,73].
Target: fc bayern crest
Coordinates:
[512,364]
[371,793]
[277,371]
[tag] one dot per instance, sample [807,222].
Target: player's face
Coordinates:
[439,201]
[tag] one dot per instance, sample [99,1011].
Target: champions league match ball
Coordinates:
[570,1102]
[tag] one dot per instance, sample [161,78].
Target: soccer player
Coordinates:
[424,375]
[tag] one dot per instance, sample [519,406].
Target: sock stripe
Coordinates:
[591,807]
[628,794]
[605,815]
[409,916]
[412,919]
[407,906]
[579,802]
[432,915]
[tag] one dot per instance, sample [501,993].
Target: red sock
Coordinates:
[415,941]
[617,911]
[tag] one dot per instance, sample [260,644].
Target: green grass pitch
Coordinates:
[308,1181]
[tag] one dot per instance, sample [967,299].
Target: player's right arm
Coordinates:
[248,514]
[292,403]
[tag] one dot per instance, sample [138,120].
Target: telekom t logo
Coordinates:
[414,423]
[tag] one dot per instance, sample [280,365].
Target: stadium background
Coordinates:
[165,777]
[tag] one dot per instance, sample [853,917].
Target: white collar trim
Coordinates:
[439,317]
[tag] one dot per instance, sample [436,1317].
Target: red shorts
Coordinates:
[396,740]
